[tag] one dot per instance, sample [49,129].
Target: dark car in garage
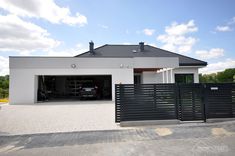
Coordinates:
[74,87]
[88,90]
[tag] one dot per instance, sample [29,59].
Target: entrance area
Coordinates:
[63,88]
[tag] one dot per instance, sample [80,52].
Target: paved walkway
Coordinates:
[185,140]
[57,117]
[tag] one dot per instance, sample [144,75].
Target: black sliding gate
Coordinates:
[185,102]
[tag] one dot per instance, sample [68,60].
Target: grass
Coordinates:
[5,100]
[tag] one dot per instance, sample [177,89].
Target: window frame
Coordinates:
[184,77]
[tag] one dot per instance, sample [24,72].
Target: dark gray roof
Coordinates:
[133,51]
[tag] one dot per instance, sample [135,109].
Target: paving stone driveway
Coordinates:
[179,140]
[57,117]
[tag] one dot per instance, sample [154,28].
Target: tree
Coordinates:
[226,76]
[4,86]
[208,78]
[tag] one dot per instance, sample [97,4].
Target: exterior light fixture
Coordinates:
[73,66]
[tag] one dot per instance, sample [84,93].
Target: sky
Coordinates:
[202,29]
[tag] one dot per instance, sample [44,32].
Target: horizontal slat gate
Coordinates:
[145,102]
[174,101]
[220,100]
[117,103]
[190,104]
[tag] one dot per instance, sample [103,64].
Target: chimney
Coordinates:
[91,46]
[141,46]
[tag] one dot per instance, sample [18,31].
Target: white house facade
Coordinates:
[105,66]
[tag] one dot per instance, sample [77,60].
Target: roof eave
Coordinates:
[193,64]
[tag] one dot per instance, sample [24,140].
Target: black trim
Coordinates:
[193,64]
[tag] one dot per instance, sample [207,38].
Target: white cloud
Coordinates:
[67,52]
[45,9]
[19,35]
[78,49]
[223,28]
[148,32]
[231,21]
[217,67]
[228,26]
[176,38]
[212,53]
[4,65]
[103,26]
[152,44]
[181,29]
[126,43]
[78,45]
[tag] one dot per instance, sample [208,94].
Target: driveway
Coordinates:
[57,117]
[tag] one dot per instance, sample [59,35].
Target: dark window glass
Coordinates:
[184,78]
[137,79]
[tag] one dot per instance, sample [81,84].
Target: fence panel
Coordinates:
[145,102]
[190,104]
[117,104]
[220,100]
[174,101]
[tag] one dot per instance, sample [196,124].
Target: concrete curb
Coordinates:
[188,122]
[219,120]
[148,122]
[177,123]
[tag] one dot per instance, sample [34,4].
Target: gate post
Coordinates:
[177,102]
[204,100]
[121,102]
[116,103]
[155,96]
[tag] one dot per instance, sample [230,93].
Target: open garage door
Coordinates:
[62,88]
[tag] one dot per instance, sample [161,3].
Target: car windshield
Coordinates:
[88,85]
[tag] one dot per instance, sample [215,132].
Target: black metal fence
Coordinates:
[185,102]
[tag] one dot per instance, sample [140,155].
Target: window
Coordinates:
[184,78]
[137,79]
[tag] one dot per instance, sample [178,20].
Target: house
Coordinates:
[105,66]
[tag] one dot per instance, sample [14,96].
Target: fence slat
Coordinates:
[174,101]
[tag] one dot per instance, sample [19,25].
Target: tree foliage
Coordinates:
[226,76]
[4,86]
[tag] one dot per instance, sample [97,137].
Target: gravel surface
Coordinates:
[57,117]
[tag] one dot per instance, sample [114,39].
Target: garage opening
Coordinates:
[62,88]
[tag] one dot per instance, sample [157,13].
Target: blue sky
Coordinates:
[200,29]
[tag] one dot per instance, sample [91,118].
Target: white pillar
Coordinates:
[172,75]
[167,80]
[163,78]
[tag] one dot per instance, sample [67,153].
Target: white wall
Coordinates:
[89,63]
[23,82]
[24,72]
[150,77]
[187,70]
[66,62]
[154,77]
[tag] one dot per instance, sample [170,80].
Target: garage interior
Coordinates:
[63,88]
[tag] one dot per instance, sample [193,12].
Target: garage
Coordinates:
[64,87]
